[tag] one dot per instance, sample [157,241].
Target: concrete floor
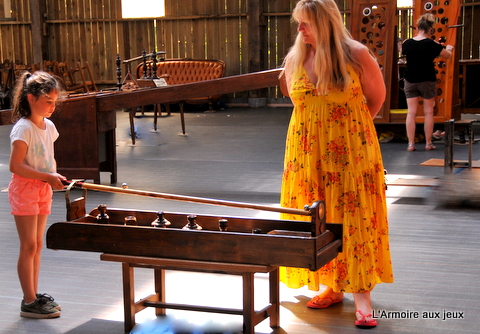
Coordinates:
[237,154]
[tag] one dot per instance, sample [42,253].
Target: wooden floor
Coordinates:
[236,154]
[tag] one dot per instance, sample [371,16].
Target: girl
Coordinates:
[34,175]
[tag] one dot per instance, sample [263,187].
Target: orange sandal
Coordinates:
[365,323]
[313,303]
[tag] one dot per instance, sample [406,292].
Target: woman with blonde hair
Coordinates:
[332,154]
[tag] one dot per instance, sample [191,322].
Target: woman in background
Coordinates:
[420,77]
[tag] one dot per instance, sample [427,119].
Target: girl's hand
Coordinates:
[55,180]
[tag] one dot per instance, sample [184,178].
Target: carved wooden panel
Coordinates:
[374,25]
[446,14]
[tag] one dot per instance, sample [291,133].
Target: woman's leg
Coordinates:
[364,313]
[412,104]
[30,231]
[363,302]
[325,299]
[429,123]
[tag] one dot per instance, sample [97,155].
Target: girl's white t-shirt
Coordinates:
[40,154]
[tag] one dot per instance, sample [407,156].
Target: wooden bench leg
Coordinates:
[248,303]
[182,117]
[159,281]
[131,115]
[274,285]
[128,296]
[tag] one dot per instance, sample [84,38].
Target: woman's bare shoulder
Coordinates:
[358,50]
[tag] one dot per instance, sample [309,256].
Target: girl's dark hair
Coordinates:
[38,83]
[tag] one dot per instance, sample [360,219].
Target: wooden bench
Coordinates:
[449,163]
[178,72]
[251,317]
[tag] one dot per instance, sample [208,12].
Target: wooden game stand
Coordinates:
[158,300]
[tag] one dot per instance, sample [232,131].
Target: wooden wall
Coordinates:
[470,33]
[248,35]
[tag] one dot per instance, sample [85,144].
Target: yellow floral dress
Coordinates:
[332,154]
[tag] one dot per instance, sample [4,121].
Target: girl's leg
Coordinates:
[412,104]
[41,224]
[31,243]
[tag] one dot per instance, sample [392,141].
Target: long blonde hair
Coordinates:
[332,49]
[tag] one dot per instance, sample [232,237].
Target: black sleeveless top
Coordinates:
[420,56]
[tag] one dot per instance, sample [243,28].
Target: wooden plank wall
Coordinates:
[85,30]
[470,33]
[94,31]
[15,35]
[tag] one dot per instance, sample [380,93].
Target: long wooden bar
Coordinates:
[225,85]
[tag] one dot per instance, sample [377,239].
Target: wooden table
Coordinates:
[231,245]
[158,300]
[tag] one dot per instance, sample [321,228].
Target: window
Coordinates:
[143,8]
[404,3]
[5,10]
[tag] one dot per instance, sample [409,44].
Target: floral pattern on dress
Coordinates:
[332,154]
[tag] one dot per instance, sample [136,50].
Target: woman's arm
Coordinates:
[283,84]
[446,52]
[371,78]
[285,77]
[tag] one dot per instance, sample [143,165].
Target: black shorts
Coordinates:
[425,89]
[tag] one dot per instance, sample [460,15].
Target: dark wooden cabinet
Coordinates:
[86,145]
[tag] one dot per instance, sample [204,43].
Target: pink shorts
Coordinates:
[29,197]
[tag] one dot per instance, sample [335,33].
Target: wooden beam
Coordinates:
[256,29]
[231,84]
[37,10]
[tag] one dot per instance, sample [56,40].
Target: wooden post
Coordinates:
[256,38]
[39,41]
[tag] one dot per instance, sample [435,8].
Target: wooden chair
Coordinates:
[182,71]
[68,77]
[89,85]
[51,66]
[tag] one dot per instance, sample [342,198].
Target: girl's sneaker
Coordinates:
[39,309]
[49,300]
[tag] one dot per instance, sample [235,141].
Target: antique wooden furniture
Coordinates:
[87,122]
[177,72]
[374,23]
[86,143]
[87,77]
[205,243]
[448,163]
